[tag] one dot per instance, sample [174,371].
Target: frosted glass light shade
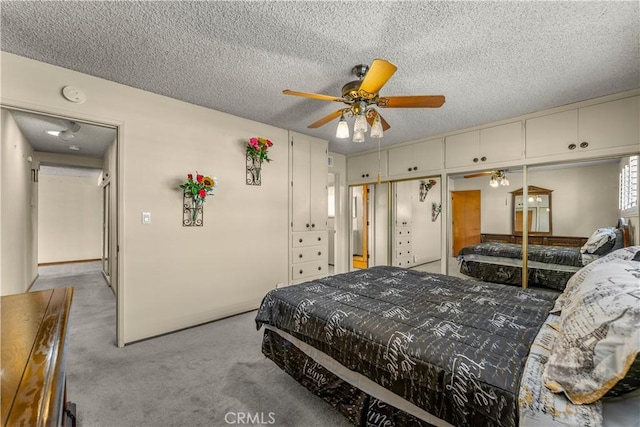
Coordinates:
[358,137]
[376,128]
[360,124]
[493,182]
[343,129]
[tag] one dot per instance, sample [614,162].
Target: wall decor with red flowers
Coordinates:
[195,194]
[257,152]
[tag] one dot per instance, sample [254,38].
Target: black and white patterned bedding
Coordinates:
[549,266]
[451,346]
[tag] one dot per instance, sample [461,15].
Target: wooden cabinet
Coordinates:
[491,145]
[415,159]
[608,125]
[34,334]
[309,215]
[569,241]
[363,168]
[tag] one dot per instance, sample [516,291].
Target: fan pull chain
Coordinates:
[378,160]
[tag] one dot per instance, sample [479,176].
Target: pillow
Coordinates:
[597,352]
[619,242]
[628,253]
[600,242]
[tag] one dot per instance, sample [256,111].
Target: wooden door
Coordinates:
[465,211]
[361,260]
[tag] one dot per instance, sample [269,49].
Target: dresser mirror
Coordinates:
[539,211]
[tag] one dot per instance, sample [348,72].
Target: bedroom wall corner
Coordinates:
[341,221]
[18,226]
[174,277]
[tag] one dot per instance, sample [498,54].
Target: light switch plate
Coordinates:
[146,218]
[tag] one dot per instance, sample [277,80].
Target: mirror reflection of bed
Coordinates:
[579,197]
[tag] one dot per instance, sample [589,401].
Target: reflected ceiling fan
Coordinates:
[361,96]
[498,177]
[70,131]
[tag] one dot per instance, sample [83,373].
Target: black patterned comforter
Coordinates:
[560,255]
[451,346]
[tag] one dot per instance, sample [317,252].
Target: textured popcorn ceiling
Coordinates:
[492,60]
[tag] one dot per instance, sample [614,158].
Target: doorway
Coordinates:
[465,218]
[360,227]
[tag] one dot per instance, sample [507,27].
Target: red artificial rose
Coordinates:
[190,176]
[269,143]
[199,178]
[202,193]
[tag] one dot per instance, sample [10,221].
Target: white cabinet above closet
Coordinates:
[490,145]
[610,124]
[363,168]
[416,159]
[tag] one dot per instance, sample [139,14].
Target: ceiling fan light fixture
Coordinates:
[52,132]
[493,182]
[360,125]
[342,131]
[376,128]
[66,135]
[358,136]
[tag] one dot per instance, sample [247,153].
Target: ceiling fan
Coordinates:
[498,177]
[69,133]
[362,95]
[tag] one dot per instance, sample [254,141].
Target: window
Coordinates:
[628,197]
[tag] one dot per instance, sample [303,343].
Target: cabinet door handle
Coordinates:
[300,256]
[300,240]
[409,169]
[319,268]
[301,272]
[415,168]
[319,239]
[319,253]
[313,225]
[475,160]
[584,144]
[571,146]
[367,175]
[483,158]
[307,225]
[363,175]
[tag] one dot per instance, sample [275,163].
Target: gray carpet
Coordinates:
[195,377]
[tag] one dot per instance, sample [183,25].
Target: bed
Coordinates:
[389,346]
[547,266]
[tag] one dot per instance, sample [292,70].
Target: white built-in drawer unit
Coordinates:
[311,269]
[403,232]
[309,238]
[310,253]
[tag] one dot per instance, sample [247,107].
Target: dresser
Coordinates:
[536,240]
[34,334]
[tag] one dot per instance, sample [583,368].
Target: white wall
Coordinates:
[18,228]
[583,199]
[174,276]
[69,218]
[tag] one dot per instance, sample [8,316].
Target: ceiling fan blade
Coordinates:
[419,101]
[326,119]
[313,95]
[379,73]
[475,175]
[373,115]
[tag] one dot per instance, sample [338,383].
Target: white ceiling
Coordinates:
[492,60]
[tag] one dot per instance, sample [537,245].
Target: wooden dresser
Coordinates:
[34,333]
[535,240]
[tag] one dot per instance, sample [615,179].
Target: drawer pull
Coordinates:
[301,271]
[319,239]
[300,256]
[319,268]
[307,225]
[584,144]
[572,146]
[313,225]
[300,240]
[319,253]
